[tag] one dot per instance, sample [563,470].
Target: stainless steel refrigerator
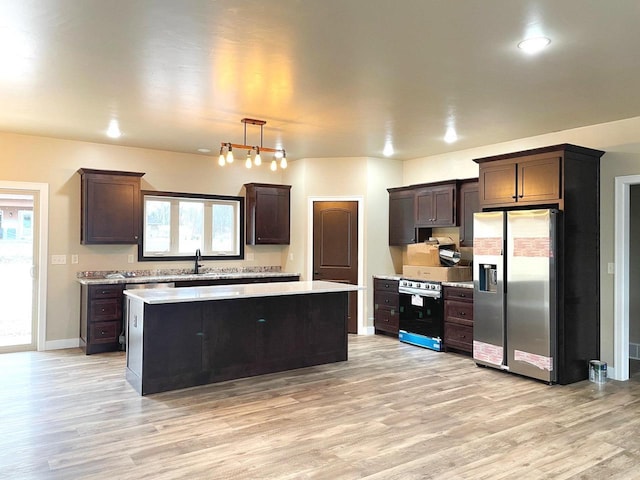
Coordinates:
[515,311]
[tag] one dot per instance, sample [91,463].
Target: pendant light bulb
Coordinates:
[283,161]
[274,166]
[258,159]
[221,159]
[230,155]
[248,163]
[248,156]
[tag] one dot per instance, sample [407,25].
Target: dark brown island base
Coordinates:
[183,337]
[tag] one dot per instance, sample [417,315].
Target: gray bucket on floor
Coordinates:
[597,371]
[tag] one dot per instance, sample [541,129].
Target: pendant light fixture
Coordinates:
[279,153]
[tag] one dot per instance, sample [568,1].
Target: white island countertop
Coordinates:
[245,290]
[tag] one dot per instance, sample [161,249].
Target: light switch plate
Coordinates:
[58,259]
[74,258]
[130,259]
[250,257]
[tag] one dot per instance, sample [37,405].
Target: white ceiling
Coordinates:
[331,77]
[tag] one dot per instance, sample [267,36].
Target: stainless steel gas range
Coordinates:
[421,313]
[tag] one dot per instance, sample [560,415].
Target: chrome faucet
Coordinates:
[196,270]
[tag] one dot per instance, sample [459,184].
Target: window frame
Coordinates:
[191,196]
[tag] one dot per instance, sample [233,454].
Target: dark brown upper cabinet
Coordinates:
[268,213]
[469,204]
[110,207]
[531,180]
[436,206]
[415,209]
[402,226]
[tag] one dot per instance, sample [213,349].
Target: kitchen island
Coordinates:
[183,337]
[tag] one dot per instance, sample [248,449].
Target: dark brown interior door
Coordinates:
[335,248]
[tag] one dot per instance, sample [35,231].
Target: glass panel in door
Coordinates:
[17,306]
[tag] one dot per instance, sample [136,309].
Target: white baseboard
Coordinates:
[366,331]
[611,373]
[60,344]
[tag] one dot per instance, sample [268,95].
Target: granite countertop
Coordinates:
[388,277]
[468,284]
[247,290]
[397,277]
[108,278]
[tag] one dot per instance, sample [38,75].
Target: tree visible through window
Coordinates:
[177,224]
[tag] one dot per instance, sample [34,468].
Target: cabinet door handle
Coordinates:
[514,197]
[462,314]
[262,320]
[520,196]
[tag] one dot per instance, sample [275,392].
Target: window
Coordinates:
[175,225]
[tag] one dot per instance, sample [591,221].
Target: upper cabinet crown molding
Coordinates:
[110,207]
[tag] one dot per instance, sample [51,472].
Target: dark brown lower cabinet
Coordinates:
[386,303]
[458,319]
[100,318]
[172,346]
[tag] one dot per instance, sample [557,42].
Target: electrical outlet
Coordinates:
[74,258]
[611,268]
[291,256]
[250,257]
[58,259]
[129,258]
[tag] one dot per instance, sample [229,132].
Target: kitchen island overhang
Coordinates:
[184,337]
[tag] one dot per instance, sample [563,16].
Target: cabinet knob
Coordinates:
[462,314]
[102,310]
[386,300]
[135,237]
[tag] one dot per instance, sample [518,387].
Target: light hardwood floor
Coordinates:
[392,411]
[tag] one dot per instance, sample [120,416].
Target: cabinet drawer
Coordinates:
[458,293]
[386,299]
[105,291]
[457,309]
[386,319]
[458,336]
[106,309]
[385,285]
[104,332]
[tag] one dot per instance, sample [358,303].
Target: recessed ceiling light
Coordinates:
[534,44]
[114,129]
[388,149]
[204,150]
[450,136]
